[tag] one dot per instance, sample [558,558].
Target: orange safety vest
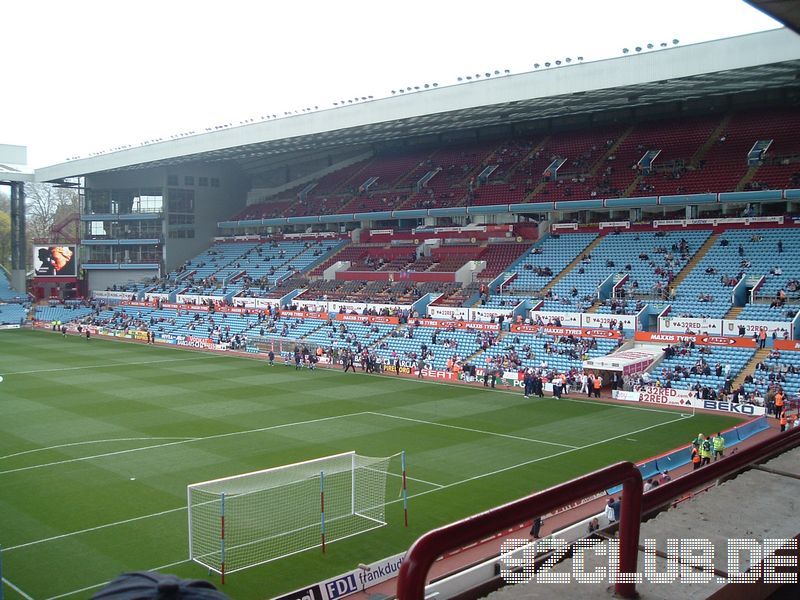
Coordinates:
[784,419]
[779,399]
[762,335]
[597,383]
[695,456]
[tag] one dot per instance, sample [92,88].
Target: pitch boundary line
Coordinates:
[171,510]
[91,529]
[481,431]
[110,365]
[439,486]
[177,443]
[423,493]
[133,439]
[336,370]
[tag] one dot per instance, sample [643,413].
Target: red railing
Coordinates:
[423,553]
[418,561]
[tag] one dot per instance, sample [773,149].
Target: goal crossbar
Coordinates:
[245,520]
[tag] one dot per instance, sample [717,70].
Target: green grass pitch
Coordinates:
[99,439]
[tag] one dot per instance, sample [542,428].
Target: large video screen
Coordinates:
[55,261]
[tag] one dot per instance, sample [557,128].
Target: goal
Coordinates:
[246,520]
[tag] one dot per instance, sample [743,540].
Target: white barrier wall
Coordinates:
[568,319]
[695,325]
[721,326]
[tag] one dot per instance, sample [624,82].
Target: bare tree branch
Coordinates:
[45,204]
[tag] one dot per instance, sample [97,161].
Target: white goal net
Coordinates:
[246,520]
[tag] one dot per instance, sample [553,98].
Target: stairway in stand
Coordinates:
[575,262]
[750,367]
[711,140]
[747,178]
[596,304]
[734,312]
[695,259]
[475,357]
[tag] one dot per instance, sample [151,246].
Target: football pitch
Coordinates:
[99,439]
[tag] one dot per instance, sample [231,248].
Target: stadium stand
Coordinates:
[734,255]
[546,260]
[438,348]
[545,352]
[65,314]
[778,369]
[352,335]
[662,255]
[6,293]
[684,367]
[12,314]
[693,155]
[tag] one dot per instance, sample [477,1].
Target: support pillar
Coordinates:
[18,237]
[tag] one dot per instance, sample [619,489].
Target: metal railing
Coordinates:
[424,552]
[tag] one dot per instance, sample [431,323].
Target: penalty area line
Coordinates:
[470,429]
[97,585]
[16,589]
[179,442]
[423,493]
[541,458]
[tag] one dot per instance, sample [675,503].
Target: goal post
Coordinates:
[250,519]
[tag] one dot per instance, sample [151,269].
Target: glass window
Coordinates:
[180,200]
[149,201]
[181,219]
[188,180]
[214,182]
[98,201]
[172,180]
[122,201]
[202,181]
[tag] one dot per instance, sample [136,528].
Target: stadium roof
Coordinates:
[784,11]
[753,62]
[13,167]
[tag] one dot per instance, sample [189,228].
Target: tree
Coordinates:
[45,205]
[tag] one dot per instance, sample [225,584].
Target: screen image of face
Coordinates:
[55,261]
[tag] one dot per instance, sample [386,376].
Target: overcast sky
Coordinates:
[88,75]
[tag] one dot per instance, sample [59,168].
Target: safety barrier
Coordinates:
[423,553]
[682,456]
[418,561]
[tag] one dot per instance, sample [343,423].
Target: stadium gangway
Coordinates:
[424,552]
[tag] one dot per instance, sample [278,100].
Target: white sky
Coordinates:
[88,75]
